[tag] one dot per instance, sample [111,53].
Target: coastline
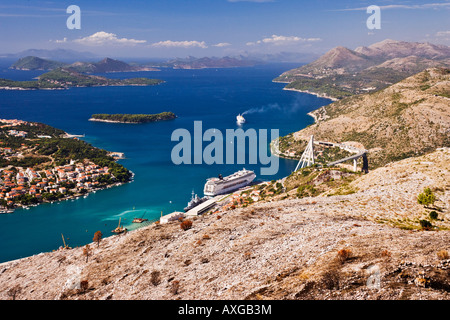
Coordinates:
[112,121]
[71,197]
[63,195]
[274,145]
[146,120]
[312,115]
[319,95]
[93,86]
[29,89]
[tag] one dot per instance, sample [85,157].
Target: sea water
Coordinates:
[213,96]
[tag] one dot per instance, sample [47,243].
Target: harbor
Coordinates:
[158,184]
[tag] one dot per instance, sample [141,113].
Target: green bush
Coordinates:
[433,215]
[425,224]
[426,197]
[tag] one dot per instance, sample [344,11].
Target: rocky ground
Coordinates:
[363,245]
[407,119]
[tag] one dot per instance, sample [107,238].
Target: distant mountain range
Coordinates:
[111,65]
[56,54]
[209,62]
[107,65]
[343,72]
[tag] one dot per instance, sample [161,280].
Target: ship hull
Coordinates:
[218,187]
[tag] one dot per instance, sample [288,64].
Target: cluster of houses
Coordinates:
[19,134]
[238,199]
[12,122]
[15,183]
[5,151]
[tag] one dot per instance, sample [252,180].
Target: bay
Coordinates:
[213,96]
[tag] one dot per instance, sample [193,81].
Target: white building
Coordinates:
[174,216]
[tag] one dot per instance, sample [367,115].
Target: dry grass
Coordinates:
[343,255]
[443,255]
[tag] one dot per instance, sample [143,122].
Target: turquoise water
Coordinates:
[213,96]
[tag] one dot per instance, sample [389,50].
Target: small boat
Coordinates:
[240,119]
[140,220]
[119,229]
[65,245]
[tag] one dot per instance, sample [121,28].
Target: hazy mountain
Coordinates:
[56,54]
[343,72]
[389,49]
[300,57]
[209,62]
[107,65]
[35,63]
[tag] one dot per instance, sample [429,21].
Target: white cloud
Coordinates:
[405,6]
[180,44]
[104,38]
[64,40]
[443,34]
[222,44]
[282,40]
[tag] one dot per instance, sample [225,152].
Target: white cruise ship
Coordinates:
[222,185]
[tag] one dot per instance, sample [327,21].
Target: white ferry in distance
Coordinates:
[240,119]
[221,185]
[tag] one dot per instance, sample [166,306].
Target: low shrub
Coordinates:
[155,277]
[443,255]
[331,279]
[386,254]
[186,225]
[433,215]
[175,287]
[343,255]
[425,224]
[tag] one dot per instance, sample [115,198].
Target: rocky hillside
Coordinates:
[342,72]
[364,245]
[406,119]
[390,49]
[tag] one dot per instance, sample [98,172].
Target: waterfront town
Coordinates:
[28,183]
[48,185]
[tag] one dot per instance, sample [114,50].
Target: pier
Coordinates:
[202,208]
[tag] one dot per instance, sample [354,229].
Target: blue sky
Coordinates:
[169,28]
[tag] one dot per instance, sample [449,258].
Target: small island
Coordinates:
[65,78]
[133,118]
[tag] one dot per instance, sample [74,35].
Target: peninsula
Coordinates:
[133,118]
[39,163]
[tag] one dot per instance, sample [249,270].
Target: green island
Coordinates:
[39,163]
[133,118]
[64,78]
[36,63]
